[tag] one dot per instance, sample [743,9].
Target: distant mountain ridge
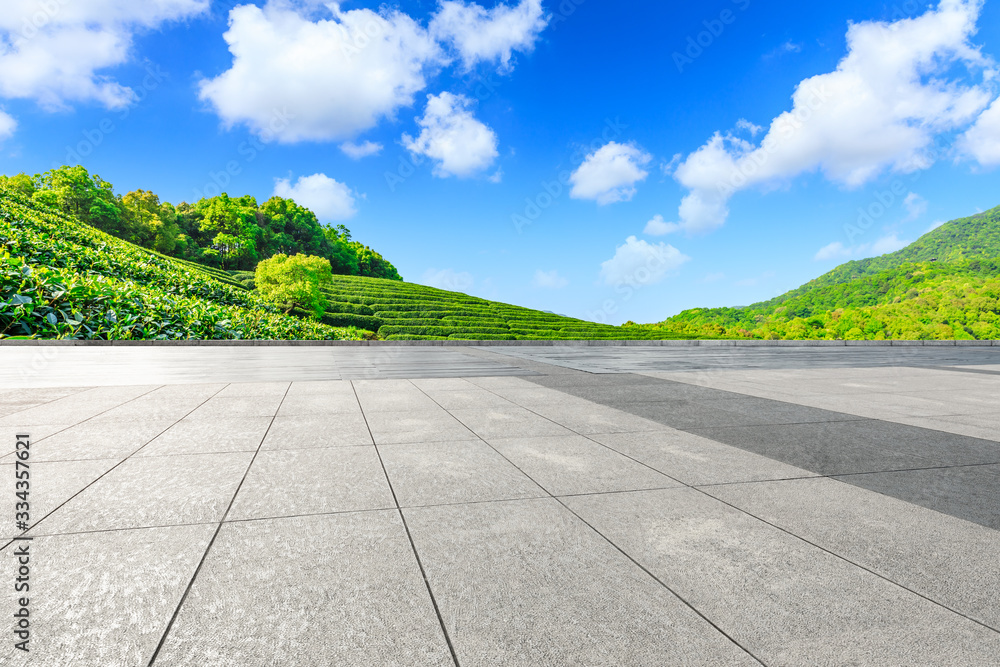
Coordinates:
[945,285]
[977,236]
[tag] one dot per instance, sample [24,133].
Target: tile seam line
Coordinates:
[606,539]
[406,529]
[106,472]
[215,534]
[848,560]
[83,390]
[798,537]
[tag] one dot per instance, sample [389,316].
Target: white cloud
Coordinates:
[497,176]
[890,96]
[658,227]
[480,35]
[747,126]
[641,263]
[7,125]
[53,52]
[610,173]
[838,251]
[327,198]
[982,140]
[915,206]
[549,280]
[358,151]
[296,79]
[453,137]
[448,279]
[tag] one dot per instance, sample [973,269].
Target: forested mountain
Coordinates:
[945,285]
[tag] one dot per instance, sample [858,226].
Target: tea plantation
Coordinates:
[404,311]
[62,278]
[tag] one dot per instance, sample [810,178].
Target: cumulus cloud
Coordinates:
[358,151]
[982,140]
[53,52]
[641,263]
[7,125]
[481,35]
[895,91]
[838,251]
[327,198]
[915,206]
[451,135]
[448,279]
[549,280]
[657,226]
[327,79]
[610,173]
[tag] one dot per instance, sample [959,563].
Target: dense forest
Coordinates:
[231,233]
[946,285]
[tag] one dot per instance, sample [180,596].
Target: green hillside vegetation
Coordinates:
[224,232]
[61,278]
[946,285]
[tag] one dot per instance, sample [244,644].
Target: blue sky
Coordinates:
[562,155]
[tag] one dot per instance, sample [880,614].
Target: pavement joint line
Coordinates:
[81,390]
[218,528]
[606,538]
[848,560]
[701,490]
[121,530]
[406,528]
[96,479]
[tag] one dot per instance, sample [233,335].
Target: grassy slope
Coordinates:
[942,286]
[60,278]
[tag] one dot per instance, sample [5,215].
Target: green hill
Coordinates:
[945,285]
[62,278]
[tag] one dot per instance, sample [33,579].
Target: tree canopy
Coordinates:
[232,233]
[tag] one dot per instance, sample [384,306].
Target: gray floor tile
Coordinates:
[469,398]
[526,583]
[171,402]
[508,423]
[788,602]
[312,481]
[589,418]
[936,555]
[573,464]
[318,404]
[316,591]
[50,484]
[326,387]
[971,493]
[269,390]
[694,460]
[98,440]
[436,473]
[335,430]
[435,425]
[153,491]
[76,407]
[824,448]
[106,598]
[391,396]
[202,436]
[234,407]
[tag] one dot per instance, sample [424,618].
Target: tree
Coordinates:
[295,282]
[21,183]
[77,193]
[234,222]
[372,264]
[343,259]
